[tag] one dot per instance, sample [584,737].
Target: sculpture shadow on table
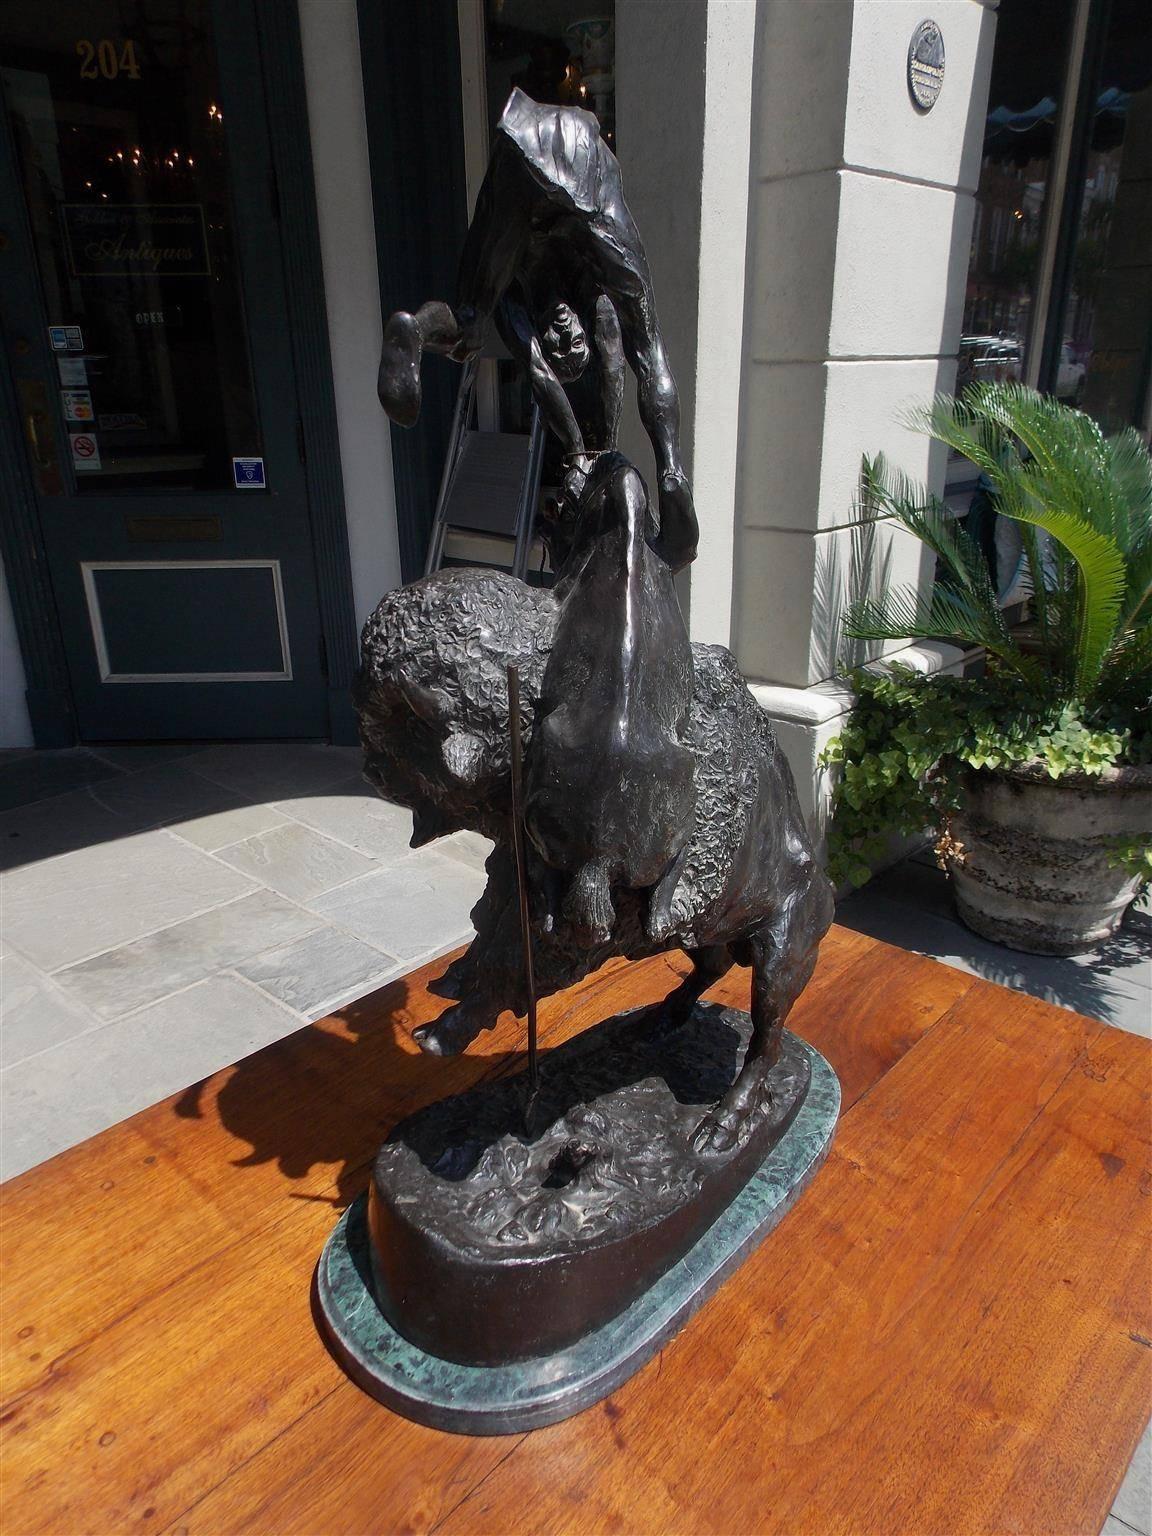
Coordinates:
[270,1101]
[282,1124]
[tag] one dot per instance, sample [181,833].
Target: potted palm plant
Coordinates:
[1037,773]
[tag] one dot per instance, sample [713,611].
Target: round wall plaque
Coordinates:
[926,65]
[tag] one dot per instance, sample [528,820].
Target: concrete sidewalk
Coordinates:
[165,911]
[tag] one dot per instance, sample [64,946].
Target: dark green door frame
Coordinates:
[410,58]
[275,28]
[283,68]
[26,563]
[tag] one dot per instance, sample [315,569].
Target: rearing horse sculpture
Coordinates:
[610,794]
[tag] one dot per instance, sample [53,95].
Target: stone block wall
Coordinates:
[860,224]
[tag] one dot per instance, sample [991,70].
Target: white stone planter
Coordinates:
[1028,855]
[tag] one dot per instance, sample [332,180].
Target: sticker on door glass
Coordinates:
[121,421]
[77,404]
[73,372]
[85,452]
[66,338]
[248,474]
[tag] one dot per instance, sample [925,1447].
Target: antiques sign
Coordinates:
[136,239]
[926,65]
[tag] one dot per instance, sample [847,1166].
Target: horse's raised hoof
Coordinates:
[679,529]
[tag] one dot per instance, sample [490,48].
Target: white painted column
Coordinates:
[683,115]
[728,90]
[331,47]
[859,236]
[860,240]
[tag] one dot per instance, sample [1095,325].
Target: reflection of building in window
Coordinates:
[1106,335]
[1085,336]
[1023,105]
[556,52]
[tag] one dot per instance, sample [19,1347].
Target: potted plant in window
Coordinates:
[1038,773]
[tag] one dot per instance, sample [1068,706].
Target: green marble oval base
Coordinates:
[500,1400]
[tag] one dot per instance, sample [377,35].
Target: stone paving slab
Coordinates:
[74,1090]
[35,1013]
[271,771]
[220,829]
[321,972]
[121,980]
[109,925]
[132,756]
[48,828]
[63,910]
[351,813]
[469,847]
[41,775]
[400,908]
[296,861]
[165,792]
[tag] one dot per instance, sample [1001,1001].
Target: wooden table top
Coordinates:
[950,1333]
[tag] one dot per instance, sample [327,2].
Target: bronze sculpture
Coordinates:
[658,814]
[554,257]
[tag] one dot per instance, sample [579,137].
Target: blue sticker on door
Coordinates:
[248,474]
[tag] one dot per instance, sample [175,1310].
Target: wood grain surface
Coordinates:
[950,1333]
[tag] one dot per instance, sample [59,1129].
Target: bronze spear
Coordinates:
[522,887]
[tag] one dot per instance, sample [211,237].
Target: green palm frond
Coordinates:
[1051,468]
[949,420]
[1138,595]
[1130,665]
[887,492]
[1037,586]
[1102,580]
[1130,470]
[943,614]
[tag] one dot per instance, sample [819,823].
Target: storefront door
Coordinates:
[143,309]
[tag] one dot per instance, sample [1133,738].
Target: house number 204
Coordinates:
[108,59]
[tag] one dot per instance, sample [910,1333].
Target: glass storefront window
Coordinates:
[1023,104]
[1028,69]
[1102,336]
[556,53]
[121,145]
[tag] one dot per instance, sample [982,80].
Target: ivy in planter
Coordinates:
[907,738]
[1076,695]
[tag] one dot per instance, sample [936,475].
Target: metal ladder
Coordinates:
[491,480]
